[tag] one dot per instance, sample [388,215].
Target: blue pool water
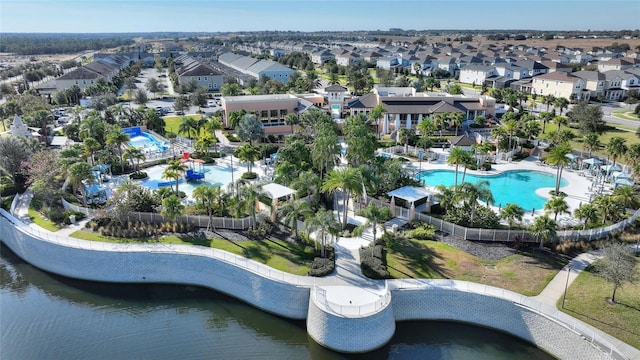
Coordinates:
[518,186]
[218,174]
[148,143]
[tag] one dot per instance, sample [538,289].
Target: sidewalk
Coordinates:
[21,212]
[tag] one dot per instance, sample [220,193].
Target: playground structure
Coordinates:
[192,174]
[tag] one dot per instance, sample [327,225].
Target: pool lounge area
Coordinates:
[145,141]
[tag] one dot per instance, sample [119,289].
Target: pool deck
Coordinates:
[577,188]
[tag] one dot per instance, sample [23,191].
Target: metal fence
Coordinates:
[320,295]
[154,218]
[479,234]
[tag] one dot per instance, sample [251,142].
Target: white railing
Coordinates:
[320,295]
[586,331]
[188,250]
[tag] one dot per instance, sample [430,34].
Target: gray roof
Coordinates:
[267,65]
[80,73]
[589,75]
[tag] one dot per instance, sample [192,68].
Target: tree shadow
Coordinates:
[199,239]
[420,257]
[568,310]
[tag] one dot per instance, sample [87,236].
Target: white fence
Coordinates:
[479,234]
[154,218]
[350,309]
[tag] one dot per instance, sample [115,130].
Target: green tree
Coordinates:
[117,139]
[77,173]
[588,212]
[456,157]
[323,223]
[188,126]
[349,181]
[556,205]
[135,156]
[376,113]
[250,128]
[616,148]
[617,266]
[175,170]
[90,146]
[544,228]
[375,216]
[512,212]
[141,97]
[325,150]
[591,142]
[561,103]
[608,207]
[627,197]
[292,211]
[558,157]
[360,140]
[446,196]
[208,196]
[248,154]
[588,117]
[153,86]
[230,89]
[470,193]
[172,207]
[548,100]
[249,195]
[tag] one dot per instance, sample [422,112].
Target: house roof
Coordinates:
[335,87]
[589,75]
[276,191]
[81,73]
[558,76]
[462,140]
[200,70]
[366,101]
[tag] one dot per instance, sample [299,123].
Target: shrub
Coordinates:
[55,214]
[138,176]
[424,232]
[10,189]
[574,247]
[249,176]
[486,166]
[373,262]
[323,266]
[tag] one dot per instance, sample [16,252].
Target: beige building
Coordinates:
[271,109]
[560,84]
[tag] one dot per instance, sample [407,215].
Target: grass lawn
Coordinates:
[281,255]
[586,301]
[41,221]
[577,143]
[526,273]
[172,123]
[625,114]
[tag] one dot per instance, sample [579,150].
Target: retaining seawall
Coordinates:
[291,296]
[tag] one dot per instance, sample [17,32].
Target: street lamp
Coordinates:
[566,285]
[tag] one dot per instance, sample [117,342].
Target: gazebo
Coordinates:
[411,194]
[275,192]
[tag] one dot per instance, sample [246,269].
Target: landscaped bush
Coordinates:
[68,213]
[574,247]
[520,155]
[262,230]
[249,176]
[323,266]
[138,176]
[134,229]
[6,202]
[373,262]
[233,138]
[486,166]
[423,232]
[55,214]
[10,189]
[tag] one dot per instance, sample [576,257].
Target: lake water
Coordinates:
[43,316]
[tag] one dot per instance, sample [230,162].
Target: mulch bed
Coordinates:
[487,251]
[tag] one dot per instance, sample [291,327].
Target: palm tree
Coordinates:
[510,126]
[134,155]
[208,195]
[607,206]
[404,135]
[556,205]
[375,216]
[456,120]
[204,142]
[324,223]
[375,114]
[248,154]
[558,157]
[548,100]
[627,196]
[172,207]
[249,194]
[545,116]
[512,212]
[187,125]
[544,228]
[633,155]
[456,157]
[560,120]
[588,212]
[561,103]
[426,127]
[292,210]
[446,196]
[467,161]
[90,146]
[117,139]
[349,181]
[292,120]
[591,142]
[77,173]
[470,194]
[616,147]
[175,170]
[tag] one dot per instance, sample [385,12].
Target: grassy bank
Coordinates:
[525,273]
[281,255]
[41,221]
[586,301]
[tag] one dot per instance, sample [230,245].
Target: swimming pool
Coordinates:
[213,175]
[148,143]
[516,186]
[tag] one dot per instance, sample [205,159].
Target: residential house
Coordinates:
[560,84]
[476,74]
[191,70]
[594,82]
[618,82]
[322,56]
[614,64]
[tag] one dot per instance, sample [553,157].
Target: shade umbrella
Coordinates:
[572,157]
[592,161]
[622,182]
[620,175]
[610,168]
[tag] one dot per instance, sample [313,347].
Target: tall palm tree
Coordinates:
[556,205]
[588,212]
[117,139]
[375,114]
[627,196]
[323,223]
[349,181]
[292,210]
[172,207]
[608,207]
[510,126]
[633,155]
[470,193]
[248,154]
[561,103]
[426,127]
[558,157]
[249,195]
[512,212]
[187,125]
[375,216]
[456,157]
[208,195]
[175,170]
[77,173]
[544,228]
[560,120]
[616,148]
[467,161]
[134,155]
[548,100]
[90,146]
[457,119]
[591,142]
[308,183]
[204,142]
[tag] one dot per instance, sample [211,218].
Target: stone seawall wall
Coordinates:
[350,334]
[157,263]
[452,305]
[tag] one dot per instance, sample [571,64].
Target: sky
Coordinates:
[95,16]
